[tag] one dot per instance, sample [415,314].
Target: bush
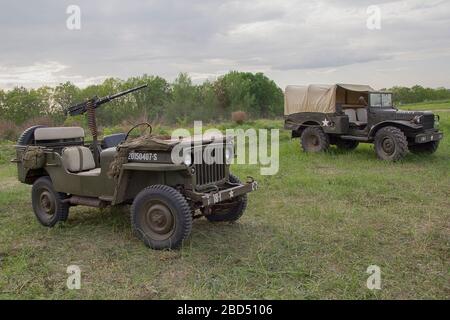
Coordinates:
[239,117]
[8,130]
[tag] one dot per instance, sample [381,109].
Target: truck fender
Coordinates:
[401,124]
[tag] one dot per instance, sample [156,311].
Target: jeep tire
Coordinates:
[48,205]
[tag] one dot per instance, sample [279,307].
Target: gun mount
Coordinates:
[89,107]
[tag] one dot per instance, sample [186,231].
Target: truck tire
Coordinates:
[346,145]
[233,213]
[48,205]
[391,144]
[27,137]
[314,139]
[161,217]
[424,148]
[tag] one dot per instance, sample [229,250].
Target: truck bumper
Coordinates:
[213,198]
[429,136]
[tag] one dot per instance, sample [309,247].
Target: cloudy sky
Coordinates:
[292,41]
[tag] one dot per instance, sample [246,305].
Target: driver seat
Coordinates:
[79,160]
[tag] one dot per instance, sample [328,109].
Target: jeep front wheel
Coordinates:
[161,217]
[424,148]
[314,139]
[390,144]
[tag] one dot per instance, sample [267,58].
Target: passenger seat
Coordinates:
[79,160]
[351,113]
[361,115]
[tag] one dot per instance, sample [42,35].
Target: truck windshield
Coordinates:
[381,100]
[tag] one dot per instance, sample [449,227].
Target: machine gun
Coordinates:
[89,107]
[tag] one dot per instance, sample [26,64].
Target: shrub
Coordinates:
[239,117]
[8,130]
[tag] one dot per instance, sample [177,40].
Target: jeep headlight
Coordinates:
[187,159]
[229,153]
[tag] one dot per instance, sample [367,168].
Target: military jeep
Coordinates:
[165,196]
[345,115]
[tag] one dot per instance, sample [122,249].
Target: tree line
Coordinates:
[180,102]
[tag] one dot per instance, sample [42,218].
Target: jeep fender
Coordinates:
[401,124]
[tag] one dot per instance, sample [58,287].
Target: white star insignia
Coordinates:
[231,194]
[325,123]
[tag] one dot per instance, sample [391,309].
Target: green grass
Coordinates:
[309,232]
[434,105]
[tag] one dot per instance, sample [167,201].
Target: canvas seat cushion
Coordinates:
[58,133]
[78,158]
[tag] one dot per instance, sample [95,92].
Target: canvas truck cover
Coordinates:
[320,97]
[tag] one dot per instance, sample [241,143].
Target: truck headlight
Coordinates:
[187,160]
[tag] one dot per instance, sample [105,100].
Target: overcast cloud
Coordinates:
[292,41]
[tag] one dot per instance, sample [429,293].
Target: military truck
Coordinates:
[345,115]
[165,196]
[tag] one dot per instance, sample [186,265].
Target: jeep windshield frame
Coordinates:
[381,100]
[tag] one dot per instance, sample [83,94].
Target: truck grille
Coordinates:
[208,174]
[427,121]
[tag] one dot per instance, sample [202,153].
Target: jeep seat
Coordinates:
[79,160]
[58,133]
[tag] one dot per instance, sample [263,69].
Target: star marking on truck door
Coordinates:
[231,194]
[325,123]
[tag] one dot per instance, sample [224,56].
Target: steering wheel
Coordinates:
[148,126]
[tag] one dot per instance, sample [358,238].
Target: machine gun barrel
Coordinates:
[81,108]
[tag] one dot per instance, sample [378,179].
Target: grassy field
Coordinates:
[309,232]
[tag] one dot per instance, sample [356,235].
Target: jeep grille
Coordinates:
[209,174]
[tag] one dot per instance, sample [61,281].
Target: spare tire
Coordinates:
[27,137]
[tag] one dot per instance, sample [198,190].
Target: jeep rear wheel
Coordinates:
[314,139]
[424,148]
[161,217]
[48,205]
[390,144]
[347,145]
[228,213]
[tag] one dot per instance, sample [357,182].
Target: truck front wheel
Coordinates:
[391,144]
[314,139]
[424,148]
[161,217]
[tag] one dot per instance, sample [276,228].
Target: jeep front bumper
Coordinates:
[429,136]
[212,198]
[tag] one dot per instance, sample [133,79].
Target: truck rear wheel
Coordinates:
[314,139]
[161,217]
[48,205]
[424,148]
[229,214]
[391,144]
[347,145]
